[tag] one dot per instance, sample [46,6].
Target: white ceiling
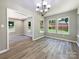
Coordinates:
[56,4]
[15,15]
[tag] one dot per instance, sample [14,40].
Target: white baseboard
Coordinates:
[3,51]
[62,39]
[39,37]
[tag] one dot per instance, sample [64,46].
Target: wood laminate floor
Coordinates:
[17,38]
[44,48]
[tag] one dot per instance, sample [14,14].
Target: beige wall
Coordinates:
[3,31]
[72,23]
[19,27]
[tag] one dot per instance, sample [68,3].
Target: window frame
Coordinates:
[48,26]
[57,22]
[68,26]
[42,31]
[29,29]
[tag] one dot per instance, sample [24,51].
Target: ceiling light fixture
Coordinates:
[43,7]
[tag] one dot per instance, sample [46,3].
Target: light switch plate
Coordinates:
[2,26]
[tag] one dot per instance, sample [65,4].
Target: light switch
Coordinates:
[2,26]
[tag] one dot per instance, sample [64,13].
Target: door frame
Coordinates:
[7,30]
[8,43]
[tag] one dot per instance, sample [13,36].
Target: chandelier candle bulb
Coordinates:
[41,10]
[48,6]
[37,9]
[43,7]
[38,5]
[44,3]
[46,10]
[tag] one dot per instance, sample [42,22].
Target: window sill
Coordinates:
[52,32]
[29,31]
[58,33]
[41,31]
[63,34]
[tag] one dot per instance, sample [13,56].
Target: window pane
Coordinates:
[29,25]
[41,26]
[63,25]
[11,25]
[52,26]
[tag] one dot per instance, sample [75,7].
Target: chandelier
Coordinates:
[42,7]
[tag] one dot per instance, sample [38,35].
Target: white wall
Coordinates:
[72,25]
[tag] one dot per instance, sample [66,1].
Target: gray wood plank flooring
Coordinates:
[45,48]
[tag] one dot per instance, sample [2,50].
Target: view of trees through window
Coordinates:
[63,25]
[52,26]
[60,26]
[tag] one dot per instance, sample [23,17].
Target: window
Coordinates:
[11,26]
[52,26]
[29,25]
[59,26]
[41,26]
[63,25]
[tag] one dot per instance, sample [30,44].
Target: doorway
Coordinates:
[19,27]
[28,27]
